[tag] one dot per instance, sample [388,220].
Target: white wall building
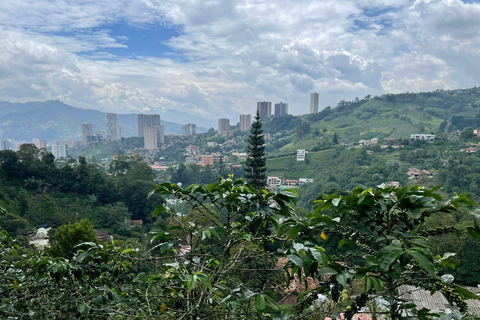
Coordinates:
[245,122]
[301,155]
[150,138]
[421,136]
[59,151]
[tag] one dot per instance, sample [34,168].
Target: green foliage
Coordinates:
[255,166]
[68,236]
[388,248]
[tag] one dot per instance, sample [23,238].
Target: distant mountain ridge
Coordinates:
[54,120]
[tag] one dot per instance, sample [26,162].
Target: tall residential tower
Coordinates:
[245,122]
[265,110]
[313,102]
[281,109]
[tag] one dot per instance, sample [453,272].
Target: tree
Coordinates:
[256,163]
[68,236]
[335,138]
[442,126]
[385,232]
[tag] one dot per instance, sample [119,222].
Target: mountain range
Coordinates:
[54,120]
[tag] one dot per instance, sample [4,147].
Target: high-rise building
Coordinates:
[40,143]
[4,145]
[112,122]
[87,133]
[189,129]
[160,134]
[59,151]
[265,110]
[113,129]
[223,126]
[245,122]
[147,121]
[313,102]
[150,138]
[117,133]
[281,109]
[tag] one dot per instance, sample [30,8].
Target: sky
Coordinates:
[216,59]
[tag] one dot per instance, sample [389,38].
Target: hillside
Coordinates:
[54,120]
[394,116]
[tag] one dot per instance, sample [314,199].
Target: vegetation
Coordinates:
[255,166]
[212,264]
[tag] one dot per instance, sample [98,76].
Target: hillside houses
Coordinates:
[277,182]
[415,174]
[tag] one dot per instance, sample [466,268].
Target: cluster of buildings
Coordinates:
[114,131]
[264,109]
[150,128]
[279,183]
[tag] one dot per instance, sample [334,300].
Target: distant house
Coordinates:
[207,160]
[414,174]
[274,181]
[393,184]
[136,223]
[291,183]
[421,136]
[159,168]
[302,181]
[301,155]
[102,235]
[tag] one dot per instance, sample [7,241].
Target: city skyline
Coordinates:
[148,57]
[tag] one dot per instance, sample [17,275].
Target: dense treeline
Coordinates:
[36,190]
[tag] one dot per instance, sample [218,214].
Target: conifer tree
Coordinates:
[256,163]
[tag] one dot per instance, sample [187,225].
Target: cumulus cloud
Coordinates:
[226,55]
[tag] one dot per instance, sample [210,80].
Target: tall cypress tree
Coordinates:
[256,163]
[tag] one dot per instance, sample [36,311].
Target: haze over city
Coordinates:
[218,58]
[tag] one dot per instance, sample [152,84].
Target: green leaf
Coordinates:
[424,262]
[260,303]
[128,250]
[388,255]
[293,232]
[204,280]
[327,271]
[465,293]
[192,282]
[372,282]
[296,260]
[473,232]
[400,193]
[158,210]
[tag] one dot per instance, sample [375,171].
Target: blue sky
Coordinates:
[139,40]
[218,58]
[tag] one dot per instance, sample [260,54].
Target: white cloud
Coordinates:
[229,54]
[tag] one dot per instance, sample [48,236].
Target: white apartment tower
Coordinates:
[59,151]
[147,121]
[313,102]
[245,122]
[189,129]
[150,138]
[113,129]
